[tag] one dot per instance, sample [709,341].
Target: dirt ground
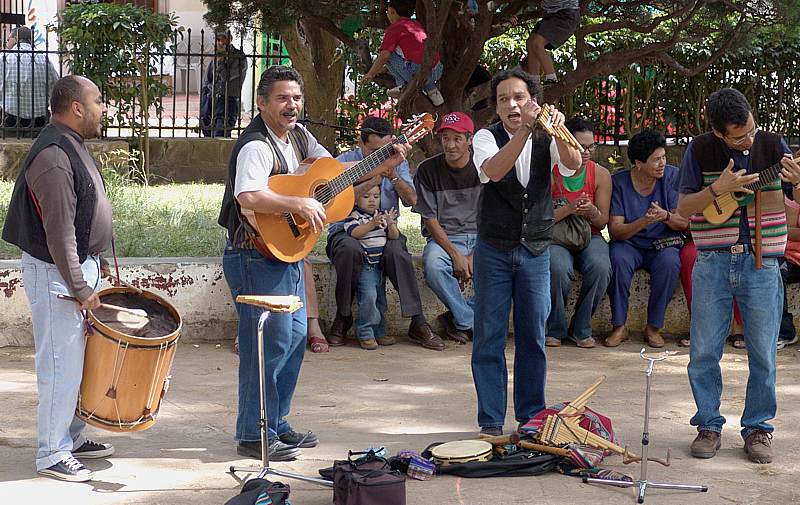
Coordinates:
[401,397]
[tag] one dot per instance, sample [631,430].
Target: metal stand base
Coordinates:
[642,484]
[264,469]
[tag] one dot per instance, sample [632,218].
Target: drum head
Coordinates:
[462,450]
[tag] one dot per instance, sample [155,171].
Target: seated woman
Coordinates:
[645,233]
[588,195]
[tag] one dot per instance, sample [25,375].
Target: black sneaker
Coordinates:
[277,450]
[69,469]
[93,450]
[302,440]
[491,431]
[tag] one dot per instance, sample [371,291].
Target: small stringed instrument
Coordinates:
[289,237]
[723,206]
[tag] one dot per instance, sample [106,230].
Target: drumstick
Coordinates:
[559,451]
[135,312]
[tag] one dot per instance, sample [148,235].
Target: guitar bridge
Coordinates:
[292,225]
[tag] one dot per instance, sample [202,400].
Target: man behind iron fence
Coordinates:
[28,78]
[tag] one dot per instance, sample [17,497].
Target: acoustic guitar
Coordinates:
[723,206]
[288,237]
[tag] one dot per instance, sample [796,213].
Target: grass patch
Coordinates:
[176,220]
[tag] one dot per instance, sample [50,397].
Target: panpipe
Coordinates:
[560,132]
[560,431]
[576,406]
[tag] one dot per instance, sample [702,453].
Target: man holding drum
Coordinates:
[60,217]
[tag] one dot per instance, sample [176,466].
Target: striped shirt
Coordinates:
[449,195]
[373,242]
[28,78]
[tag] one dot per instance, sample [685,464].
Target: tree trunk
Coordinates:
[316,54]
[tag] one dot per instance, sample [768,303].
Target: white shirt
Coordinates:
[255,162]
[484,147]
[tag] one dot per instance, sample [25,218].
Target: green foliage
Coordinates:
[117,46]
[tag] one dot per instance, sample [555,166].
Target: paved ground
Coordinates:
[401,397]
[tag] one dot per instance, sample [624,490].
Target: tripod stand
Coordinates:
[272,304]
[643,483]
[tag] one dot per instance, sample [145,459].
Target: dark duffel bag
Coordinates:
[255,489]
[367,480]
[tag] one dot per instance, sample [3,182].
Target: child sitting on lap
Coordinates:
[371,228]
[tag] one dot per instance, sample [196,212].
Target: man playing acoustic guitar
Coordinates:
[726,161]
[272,144]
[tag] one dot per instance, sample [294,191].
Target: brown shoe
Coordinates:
[653,337]
[424,336]
[445,322]
[552,342]
[368,343]
[618,336]
[706,444]
[338,330]
[387,340]
[758,446]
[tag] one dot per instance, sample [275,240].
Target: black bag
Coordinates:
[254,488]
[573,232]
[520,464]
[367,481]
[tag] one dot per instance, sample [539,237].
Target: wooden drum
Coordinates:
[126,366]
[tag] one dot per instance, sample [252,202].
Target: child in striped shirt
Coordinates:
[371,228]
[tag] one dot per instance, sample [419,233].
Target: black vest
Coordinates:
[24,227]
[510,214]
[230,215]
[712,153]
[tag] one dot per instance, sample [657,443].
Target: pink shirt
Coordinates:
[407,37]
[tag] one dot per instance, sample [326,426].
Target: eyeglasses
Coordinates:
[741,140]
[590,147]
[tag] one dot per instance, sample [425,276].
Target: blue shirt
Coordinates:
[628,203]
[691,179]
[389,197]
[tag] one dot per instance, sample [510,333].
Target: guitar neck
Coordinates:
[363,167]
[767,176]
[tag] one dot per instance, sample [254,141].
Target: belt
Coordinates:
[740,249]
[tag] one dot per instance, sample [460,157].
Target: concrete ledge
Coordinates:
[197,289]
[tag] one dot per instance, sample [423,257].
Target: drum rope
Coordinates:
[159,362]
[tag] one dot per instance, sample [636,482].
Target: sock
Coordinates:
[418,320]
[551,77]
[537,79]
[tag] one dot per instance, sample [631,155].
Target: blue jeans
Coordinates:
[59,335]
[790,273]
[718,277]
[595,268]
[438,269]
[371,297]
[249,273]
[220,121]
[404,71]
[499,278]
[664,267]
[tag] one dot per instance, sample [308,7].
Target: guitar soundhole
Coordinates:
[323,194]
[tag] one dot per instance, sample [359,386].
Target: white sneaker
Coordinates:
[783,343]
[395,92]
[69,469]
[435,97]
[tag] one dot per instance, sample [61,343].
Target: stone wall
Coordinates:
[13,153]
[197,289]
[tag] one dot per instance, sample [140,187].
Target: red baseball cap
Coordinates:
[458,122]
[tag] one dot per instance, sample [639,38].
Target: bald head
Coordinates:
[76,101]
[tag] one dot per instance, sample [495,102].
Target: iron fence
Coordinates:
[187,70]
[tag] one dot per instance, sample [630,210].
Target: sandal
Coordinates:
[737,341]
[318,344]
[683,342]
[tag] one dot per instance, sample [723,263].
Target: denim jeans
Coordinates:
[59,335]
[790,273]
[595,268]
[220,121]
[717,278]
[371,297]
[664,267]
[404,71]
[249,273]
[501,278]
[438,269]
